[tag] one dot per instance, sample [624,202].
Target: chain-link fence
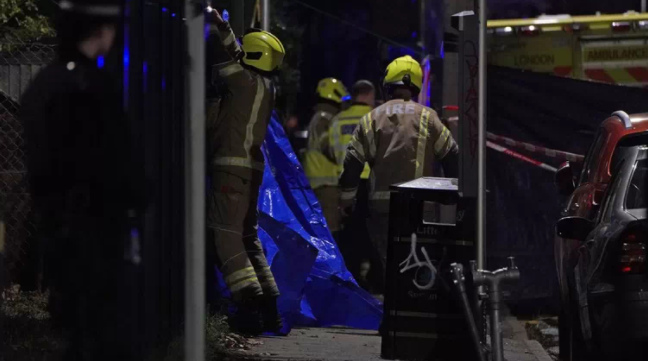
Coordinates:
[19,64]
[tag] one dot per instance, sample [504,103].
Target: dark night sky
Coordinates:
[330,48]
[529,8]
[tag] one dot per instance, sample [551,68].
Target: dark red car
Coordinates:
[583,213]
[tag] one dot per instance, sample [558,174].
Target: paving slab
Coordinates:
[343,344]
[319,344]
[346,344]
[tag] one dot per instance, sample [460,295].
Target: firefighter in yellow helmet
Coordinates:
[353,239]
[400,140]
[240,99]
[319,161]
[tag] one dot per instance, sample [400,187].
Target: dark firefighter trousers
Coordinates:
[232,223]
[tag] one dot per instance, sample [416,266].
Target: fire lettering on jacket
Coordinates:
[397,109]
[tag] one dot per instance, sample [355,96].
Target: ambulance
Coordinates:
[605,48]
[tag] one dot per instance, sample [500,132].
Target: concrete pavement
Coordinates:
[342,344]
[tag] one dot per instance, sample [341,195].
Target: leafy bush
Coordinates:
[26,333]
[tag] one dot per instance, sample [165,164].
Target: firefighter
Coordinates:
[236,126]
[363,97]
[85,184]
[400,140]
[319,162]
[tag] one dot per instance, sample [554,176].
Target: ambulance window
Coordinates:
[593,156]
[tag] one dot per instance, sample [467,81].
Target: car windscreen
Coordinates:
[637,196]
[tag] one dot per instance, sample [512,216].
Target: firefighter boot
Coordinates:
[272,321]
[247,319]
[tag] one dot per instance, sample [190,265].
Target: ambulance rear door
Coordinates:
[615,60]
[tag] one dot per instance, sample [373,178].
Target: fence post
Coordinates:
[194,343]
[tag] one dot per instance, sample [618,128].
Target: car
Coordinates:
[620,143]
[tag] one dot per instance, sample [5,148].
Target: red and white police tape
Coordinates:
[536,149]
[519,156]
[553,153]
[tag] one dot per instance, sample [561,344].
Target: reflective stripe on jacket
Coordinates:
[319,161]
[400,140]
[237,123]
[342,127]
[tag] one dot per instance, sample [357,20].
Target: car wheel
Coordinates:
[564,333]
[579,350]
[571,341]
[608,334]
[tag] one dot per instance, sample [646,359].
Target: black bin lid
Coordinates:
[428,183]
[444,190]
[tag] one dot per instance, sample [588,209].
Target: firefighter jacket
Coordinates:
[319,161]
[341,132]
[400,140]
[238,119]
[79,154]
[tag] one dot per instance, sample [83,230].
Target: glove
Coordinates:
[213,16]
[346,212]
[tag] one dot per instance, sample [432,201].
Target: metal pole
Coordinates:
[643,6]
[481,131]
[237,17]
[422,29]
[456,270]
[194,342]
[266,15]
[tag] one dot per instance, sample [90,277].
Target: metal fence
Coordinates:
[19,64]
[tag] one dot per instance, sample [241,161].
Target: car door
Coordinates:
[589,250]
[579,204]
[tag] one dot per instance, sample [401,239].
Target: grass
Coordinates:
[219,342]
[26,332]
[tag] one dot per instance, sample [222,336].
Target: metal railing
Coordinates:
[19,64]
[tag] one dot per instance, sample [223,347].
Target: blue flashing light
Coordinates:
[164,10]
[346,98]
[173,15]
[442,50]
[163,83]
[100,62]
[225,15]
[145,76]
[414,34]
[126,60]
[206,31]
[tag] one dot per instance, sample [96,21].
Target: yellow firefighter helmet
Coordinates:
[404,71]
[332,89]
[263,50]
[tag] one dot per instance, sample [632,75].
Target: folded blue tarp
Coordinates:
[316,287]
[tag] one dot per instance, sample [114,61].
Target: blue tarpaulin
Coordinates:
[316,287]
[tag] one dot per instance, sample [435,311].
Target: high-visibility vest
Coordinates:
[341,132]
[319,169]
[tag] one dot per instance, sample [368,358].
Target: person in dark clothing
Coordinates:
[3,276]
[85,183]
